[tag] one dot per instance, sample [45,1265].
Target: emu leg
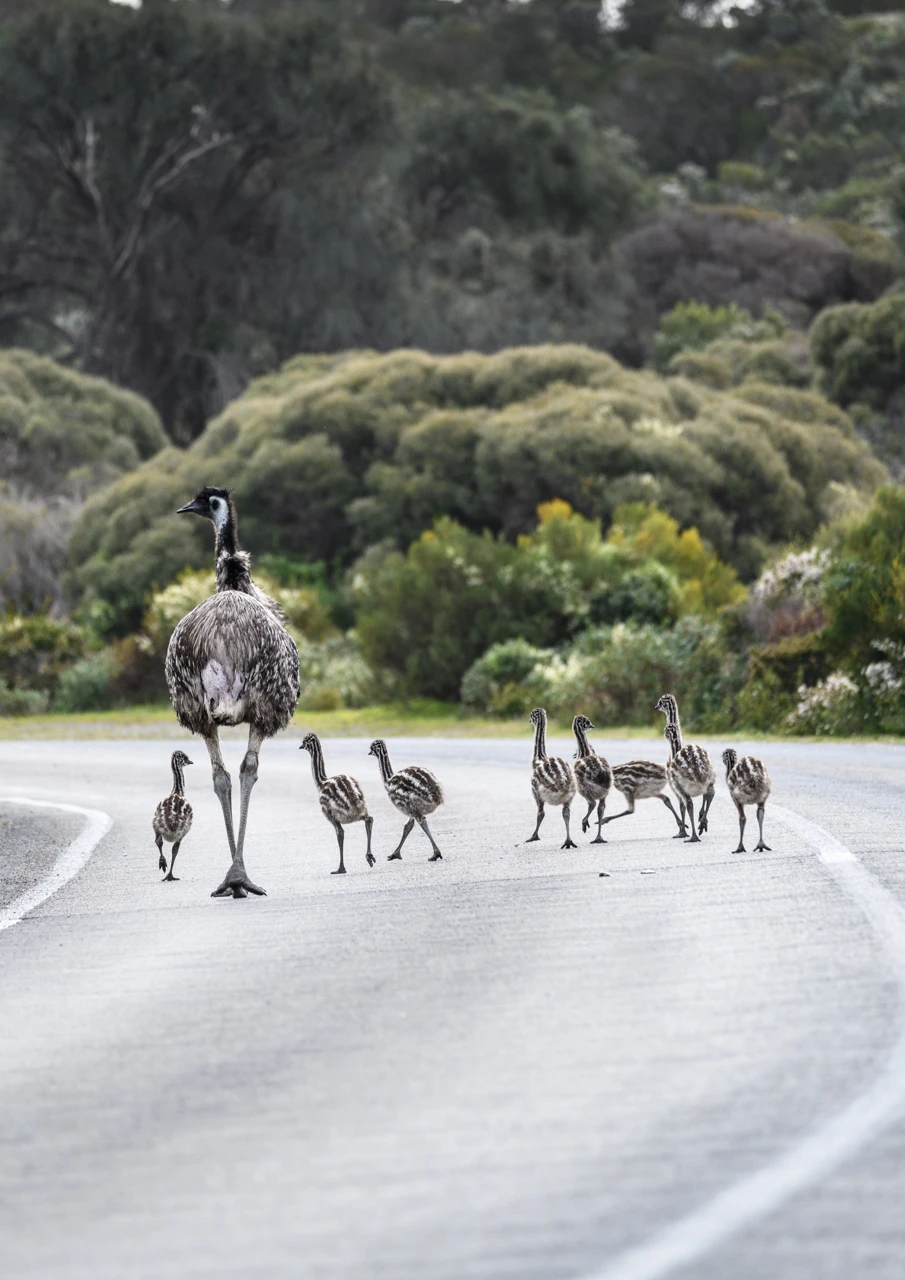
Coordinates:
[161,861]
[625,812]
[236,883]
[369,824]
[569,842]
[741,829]
[340,838]
[169,875]
[586,820]
[598,839]
[406,831]
[705,809]
[761,847]
[680,818]
[694,838]
[540,818]
[436,855]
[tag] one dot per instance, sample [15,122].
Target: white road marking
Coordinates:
[68,864]
[820,1152]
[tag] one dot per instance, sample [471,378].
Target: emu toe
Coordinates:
[740,849]
[534,837]
[436,857]
[599,840]
[169,877]
[394,857]
[162,863]
[762,848]
[371,859]
[569,844]
[340,871]
[238,885]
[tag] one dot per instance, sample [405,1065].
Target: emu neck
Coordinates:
[386,769]
[318,772]
[730,763]
[584,747]
[178,780]
[540,740]
[232,563]
[672,717]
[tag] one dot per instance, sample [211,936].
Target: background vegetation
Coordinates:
[550,356]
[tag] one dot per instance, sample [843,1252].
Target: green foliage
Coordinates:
[428,615]
[35,650]
[22,702]
[860,350]
[501,681]
[88,685]
[352,450]
[864,592]
[693,325]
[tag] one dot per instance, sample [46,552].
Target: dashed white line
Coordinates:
[824,1149]
[68,864]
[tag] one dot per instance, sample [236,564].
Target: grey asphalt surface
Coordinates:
[499,1065]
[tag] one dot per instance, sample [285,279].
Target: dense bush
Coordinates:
[693,325]
[428,615]
[334,453]
[860,350]
[35,650]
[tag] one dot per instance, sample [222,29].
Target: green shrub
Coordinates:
[500,681]
[832,707]
[88,685]
[859,350]
[377,446]
[703,367]
[334,674]
[35,650]
[22,702]
[864,590]
[693,325]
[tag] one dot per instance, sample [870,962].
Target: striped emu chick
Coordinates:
[552,780]
[593,776]
[342,799]
[748,783]
[173,816]
[644,780]
[689,769]
[414,791]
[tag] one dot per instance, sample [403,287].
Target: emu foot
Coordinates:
[169,877]
[601,874]
[762,848]
[532,838]
[237,885]
[569,844]
[740,849]
[394,857]
[340,871]
[371,859]
[584,825]
[162,863]
[436,856]
[599,840]
[694,838]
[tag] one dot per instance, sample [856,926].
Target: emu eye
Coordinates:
[215,504]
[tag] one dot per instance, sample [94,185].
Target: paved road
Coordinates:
[500,1065]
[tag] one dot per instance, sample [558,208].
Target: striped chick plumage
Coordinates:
[748,783]
[689,768]
[552,780]
[172,819]
[593,776]
[643,780]
[341,799]
[415,792]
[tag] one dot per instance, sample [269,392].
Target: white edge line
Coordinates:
[826,1147]
[68,864]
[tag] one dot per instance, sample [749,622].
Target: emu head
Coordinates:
[180,759]
[582,722]
[214,504]
[309,742]
[538,716]
[666,703]
[377,748]
[730,758]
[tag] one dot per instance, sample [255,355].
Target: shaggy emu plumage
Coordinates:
[593,776]
[414,791]
[232,661]
[689,768]
[748,783]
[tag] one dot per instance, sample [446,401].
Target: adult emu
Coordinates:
[232,661]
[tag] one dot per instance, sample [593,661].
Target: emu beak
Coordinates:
[190,761]
[192,508]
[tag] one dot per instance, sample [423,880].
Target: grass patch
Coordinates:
[418,719]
